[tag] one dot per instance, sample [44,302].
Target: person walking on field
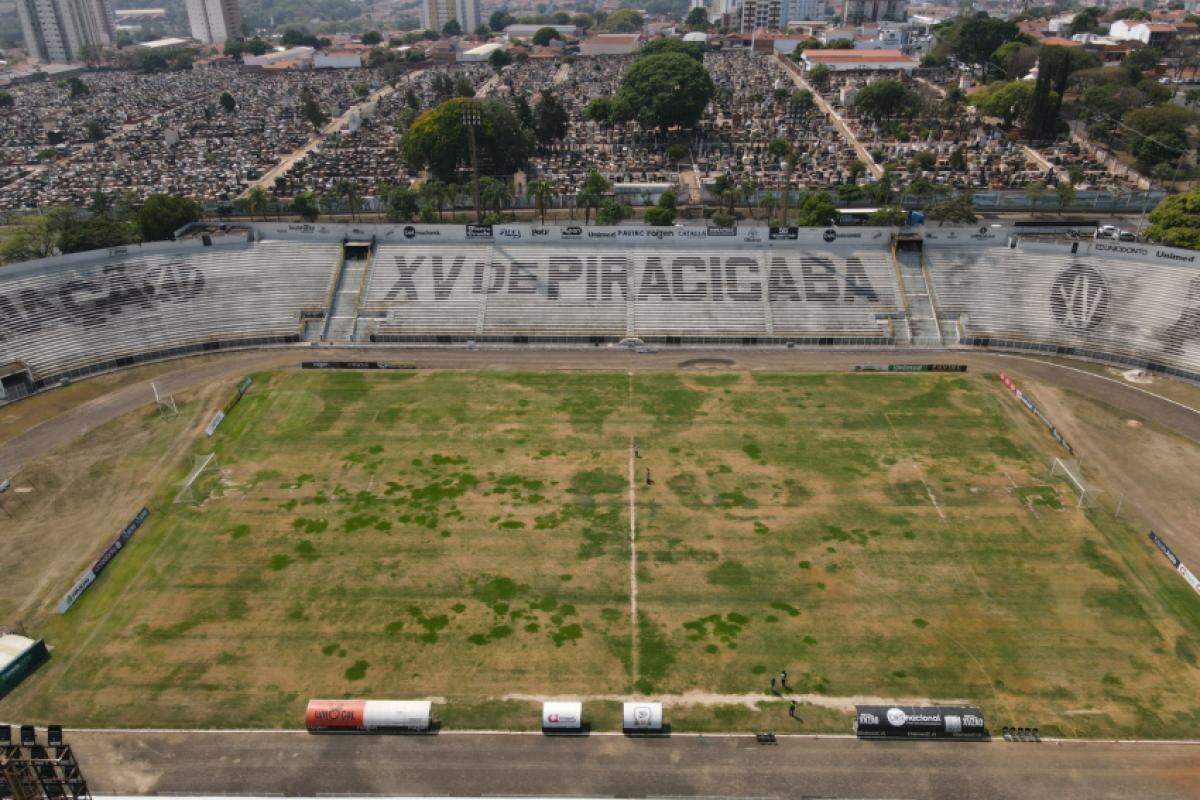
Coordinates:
[783,679]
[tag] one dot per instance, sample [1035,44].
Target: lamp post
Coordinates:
[473,118]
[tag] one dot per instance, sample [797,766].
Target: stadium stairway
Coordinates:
[922,319]
[342,319]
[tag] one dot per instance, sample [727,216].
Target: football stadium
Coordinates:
[755,478]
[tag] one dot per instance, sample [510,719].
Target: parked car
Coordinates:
[1127,236]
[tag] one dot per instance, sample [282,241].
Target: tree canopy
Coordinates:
[697,18]
[437,140]
[544,35]
[657,46]
[163,214]
[886,98]
[974,39]
[624,20]
[1008,100]
[660,91]
[1175,221]
[549,119]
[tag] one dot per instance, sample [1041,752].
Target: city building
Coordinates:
[481,53]
[1155,34]
[214,21]
[521,31]
[859,11]
[65,30]
[802,11]
[436,13]
[610,44]
[757,14]
[866,60]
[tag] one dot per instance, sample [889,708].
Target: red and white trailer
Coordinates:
[324,716]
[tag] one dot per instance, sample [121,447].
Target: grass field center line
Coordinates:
[633,587]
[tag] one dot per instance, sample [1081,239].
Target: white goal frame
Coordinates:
[165,402]
[1070,468]
[202,464]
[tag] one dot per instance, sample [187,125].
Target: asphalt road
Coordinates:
[613,766]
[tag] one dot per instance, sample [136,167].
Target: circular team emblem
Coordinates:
[896,717]
[409,232]
[829,235]
[1079,298]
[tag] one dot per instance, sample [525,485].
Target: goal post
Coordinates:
[200,481]
[165,402]
[1069,469]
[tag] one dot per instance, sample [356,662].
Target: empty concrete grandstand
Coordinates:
[517,285]
[72,315]
[1126,303]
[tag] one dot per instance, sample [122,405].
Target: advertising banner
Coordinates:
[927,368]
[1174,561]
[527,233]
[87,578]
[213,424]
[919,722]
[354,365]
[1029,404]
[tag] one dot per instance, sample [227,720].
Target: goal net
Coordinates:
[200,482]
[1069,469]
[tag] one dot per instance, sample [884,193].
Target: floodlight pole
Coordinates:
[472,118]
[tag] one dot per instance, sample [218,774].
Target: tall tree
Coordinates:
[540,191]
[549,118]
[437,140]
[163,214]
[661,91]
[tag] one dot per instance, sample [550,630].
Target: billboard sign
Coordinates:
[919,722]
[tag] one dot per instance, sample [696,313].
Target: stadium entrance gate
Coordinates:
[15,382]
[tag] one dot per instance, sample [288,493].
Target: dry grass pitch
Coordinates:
[467,536]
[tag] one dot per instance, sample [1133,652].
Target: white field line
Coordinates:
[917,468]
[674,734]
[1184,406]
[633,587]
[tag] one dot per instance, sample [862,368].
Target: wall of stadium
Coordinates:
[1123,303]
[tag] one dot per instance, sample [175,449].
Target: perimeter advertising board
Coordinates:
[919,722]
[89,576]
[524,234]
[1179,566]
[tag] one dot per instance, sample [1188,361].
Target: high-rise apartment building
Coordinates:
[214,21]
[64,30]
[436,13]
[761,14]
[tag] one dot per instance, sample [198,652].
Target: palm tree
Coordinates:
[591,194]
[539,191]
[494,194]
[769,203]
[348,190]
[256,201]
[748,187]
[434,192]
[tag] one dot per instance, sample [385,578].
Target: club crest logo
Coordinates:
[1079,298]
[829,235]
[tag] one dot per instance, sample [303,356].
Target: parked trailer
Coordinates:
[642,718]
[562,716]
[919,722]
[368,715]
